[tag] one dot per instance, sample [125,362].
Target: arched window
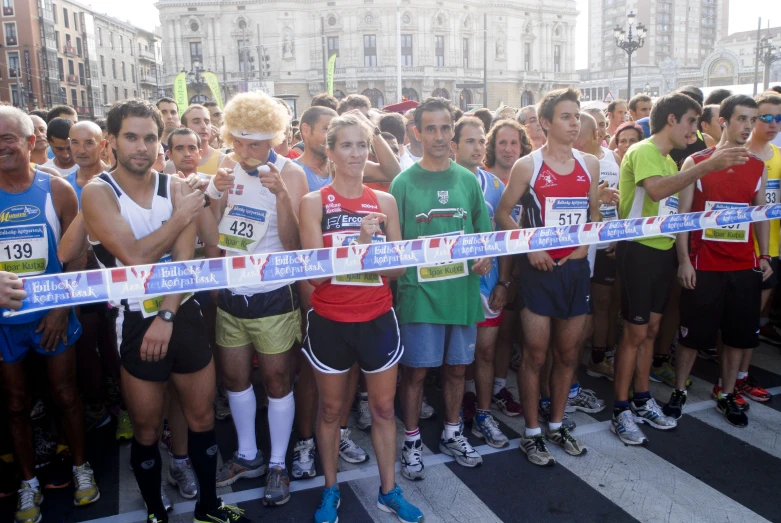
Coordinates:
[375,97]
[441,93]
[199,99]
[465,100]
[410,94]
[527,98]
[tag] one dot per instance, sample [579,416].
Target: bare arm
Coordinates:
[520,177]
[73,244]
[288,202]
[390,209]
[182,249]
[762,229]
[311,213]
[686,273]
[388,165]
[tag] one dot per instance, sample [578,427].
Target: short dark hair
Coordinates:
[490,146]
[676,104]
[717,96]
[457,114]
[549,102]
[727,108]
[395,124]
[636,99]
[389,136]
[101,122]
[431,104]
[708,112]
[183,131]
[463,122]
[353,101]
[776,89]
[485,116]
[611,108]
[634,126]
[768,97]
[40,113]
[211,103]
[167,100]
[58,128]
[325,100]
[693,92]
[58,110]
[313,114]
[139,108]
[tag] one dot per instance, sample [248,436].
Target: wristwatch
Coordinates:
[377,131]
[505,284]
[166,315]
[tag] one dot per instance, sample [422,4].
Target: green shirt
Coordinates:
[435,203]
[643,160]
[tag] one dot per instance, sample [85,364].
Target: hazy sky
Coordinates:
[743,17]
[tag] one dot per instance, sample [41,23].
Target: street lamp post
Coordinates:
[630,43]
[768,53]
[195,78]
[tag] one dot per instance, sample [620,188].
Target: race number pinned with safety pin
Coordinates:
[242,227]
[24,249]
[732,232]
[562,212]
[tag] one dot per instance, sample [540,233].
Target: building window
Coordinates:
[406,50]
[100,37]
[556,58]
[135,94]
[105,94]
[8,7]
[74,98]
[10,34]
[125,94]
[369,51]
[81,74]
[124,75]
[114,68]
[65,19]
[102,66]
[465,48]
[71,71]
[132,73]
[439,46]
[61,69]
[116,93]
[13,65]
[57,39]
[111,40]
[54,12]
[410,94]
[84,98]
[527,57]
[131,47]
[78,46]
[121,44]
[375,97]
[333,48]
[76,21]
[196,52]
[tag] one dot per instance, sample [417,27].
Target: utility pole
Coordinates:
[224,81]
[260,60]
[757,53]
[398,51]
[325,55]
[485,59]
[244,53]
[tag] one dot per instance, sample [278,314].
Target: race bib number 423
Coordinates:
[24,249]
[241,228]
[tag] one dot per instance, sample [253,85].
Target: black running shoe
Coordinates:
[222,514]
[674,407]
[733,414]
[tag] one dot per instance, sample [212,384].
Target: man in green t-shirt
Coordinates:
[649,185]
[438,305]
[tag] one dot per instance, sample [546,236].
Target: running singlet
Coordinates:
[71,179]
[492,188]
[773,195]
[314,181]
[29,236]
[730,247]
[211,166]
[608,171]
[142,222]
[356,297]
[555,200]
[64,172]
[249,223]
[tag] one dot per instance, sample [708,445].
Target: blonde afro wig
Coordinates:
[255,113]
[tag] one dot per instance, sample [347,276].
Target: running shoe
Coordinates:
[734,415]
[412,466]
[468,407]
[626,429]
[586,401]
[327,511]
[86,490]
[426,410]
[459,448]
[394,503]
[45,447]
[749,388]
[543,416]
[504,401]
[666,374]
[304,459]
[96,417]
[536,450]
[183,477]
[236,468]
[222,409]
[124,426]
[488,429]
[770,334]
[674,407]
[740,401]
[566,441]
[59,472]
[9,476]
[349,450]
[516,357]
[277,491]
[603,369]
[652,414]
[166,440]
[38,411]
[28,507]
[167,504]
[222,514]
[364,415]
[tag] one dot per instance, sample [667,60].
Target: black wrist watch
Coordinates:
[166,315]
[377,131]
[505,284]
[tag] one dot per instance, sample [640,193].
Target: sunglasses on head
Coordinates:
[768,118]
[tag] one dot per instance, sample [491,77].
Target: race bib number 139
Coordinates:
[24,249]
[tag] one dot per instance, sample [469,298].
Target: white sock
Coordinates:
[574,390]
[499,384]
[179,463]
[34,483]
[554,426]
[469,386]
[281,413]
[243,407]
[533,432]
[451,429]
[412,436]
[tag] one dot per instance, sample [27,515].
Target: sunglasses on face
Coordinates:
[768,118]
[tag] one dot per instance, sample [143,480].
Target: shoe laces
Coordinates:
[329,498]
[462,442]
[628,421]
[491,425]
[539,443]
[303,452]
[363,408]
[26,497]
[566,435]
[82,476]
[346,440]
[394,498]
[414,453]
[232,508]
[189,473]
[275,477]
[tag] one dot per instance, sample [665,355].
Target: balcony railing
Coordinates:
[69,50]
[10,40]
[8,11]
[147,79]
[73,79]
[83,110]
[146,55]
[13,73]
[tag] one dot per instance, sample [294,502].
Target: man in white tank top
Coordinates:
[256,197]
[136,216]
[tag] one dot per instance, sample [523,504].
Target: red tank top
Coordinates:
[731,247]
[557,199]
[354,298]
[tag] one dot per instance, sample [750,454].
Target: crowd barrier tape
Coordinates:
[145,281]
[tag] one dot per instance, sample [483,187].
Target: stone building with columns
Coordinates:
[530,48]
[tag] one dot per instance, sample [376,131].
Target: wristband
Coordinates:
[211,190]
[505,284]
[766,257]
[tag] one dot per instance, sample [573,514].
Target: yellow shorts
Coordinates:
[269,335]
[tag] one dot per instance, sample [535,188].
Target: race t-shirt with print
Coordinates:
[643,160]
[440,203]
[492,188]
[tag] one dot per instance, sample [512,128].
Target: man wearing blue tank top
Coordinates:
[36,209]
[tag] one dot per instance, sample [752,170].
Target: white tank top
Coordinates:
[142,222]
[250,199]
[610,171]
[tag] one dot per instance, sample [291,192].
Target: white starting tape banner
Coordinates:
[144,281]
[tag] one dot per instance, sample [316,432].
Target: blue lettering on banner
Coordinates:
[239,211]
[570,203]
[468,246]
[55,290]
[381,256]
[622,230]
[554,237]
[731,214]
[675,223]
[21,232]
[283,266]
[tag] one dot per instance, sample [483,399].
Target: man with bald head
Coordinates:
[601,122]
[87,143]
[38,154]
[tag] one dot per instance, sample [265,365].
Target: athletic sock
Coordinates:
[412,436]
[660,359]
[243,406]
[598,354]
[640,398]
[619,407]
[203,455]
[281,413]
[545,403]
[147,468]
[34,483]
[469,386]
[499,384]
[574,390]
[179,461]
[533,432]
[554,426]
[451,429]
[742,375]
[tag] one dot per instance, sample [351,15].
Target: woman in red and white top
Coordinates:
[352,317]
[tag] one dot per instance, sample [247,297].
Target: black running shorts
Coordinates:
[646,278]
[604,269]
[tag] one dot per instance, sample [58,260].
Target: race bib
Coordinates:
[361,279]
[609,213]
[773,191]
[24,249]
[736,232]
[442,270]
[668,206]
[560,212]
[241,228]
[200,249]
